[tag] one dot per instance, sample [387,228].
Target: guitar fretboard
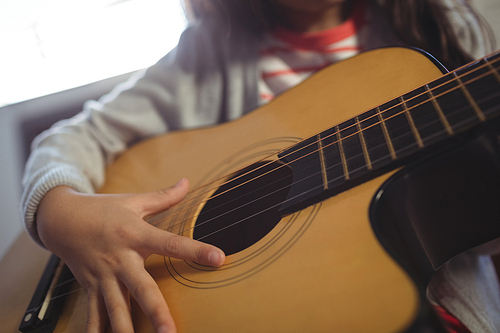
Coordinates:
[392,133]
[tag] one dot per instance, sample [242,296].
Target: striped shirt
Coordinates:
[286,58]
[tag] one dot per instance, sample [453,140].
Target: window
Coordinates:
[53,45]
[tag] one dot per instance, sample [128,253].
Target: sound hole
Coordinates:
[245,209]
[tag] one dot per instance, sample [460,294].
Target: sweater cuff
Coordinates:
[50,176]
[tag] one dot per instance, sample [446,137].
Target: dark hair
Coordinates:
[419,23]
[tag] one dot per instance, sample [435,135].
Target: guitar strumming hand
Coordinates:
[105,241]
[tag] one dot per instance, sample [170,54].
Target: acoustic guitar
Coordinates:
[326,229]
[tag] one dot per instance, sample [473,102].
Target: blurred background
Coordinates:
[56,54]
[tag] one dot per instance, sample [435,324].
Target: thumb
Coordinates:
[155,202]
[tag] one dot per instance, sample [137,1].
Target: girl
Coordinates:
[236,55]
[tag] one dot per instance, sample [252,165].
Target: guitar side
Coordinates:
[321,269]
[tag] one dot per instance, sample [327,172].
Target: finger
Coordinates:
[147,294]
[155,202]
[117,300]
[96,313]
[180,247]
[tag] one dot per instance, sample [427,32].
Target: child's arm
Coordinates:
[104,240]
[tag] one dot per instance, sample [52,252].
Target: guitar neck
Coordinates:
[393,133]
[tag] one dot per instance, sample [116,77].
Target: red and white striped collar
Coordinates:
[323,39]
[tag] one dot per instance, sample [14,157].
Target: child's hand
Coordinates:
[104,241]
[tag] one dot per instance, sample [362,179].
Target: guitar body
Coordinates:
[321,269]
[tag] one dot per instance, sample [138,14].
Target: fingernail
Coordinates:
[162,329]
[215,258]
[179,182]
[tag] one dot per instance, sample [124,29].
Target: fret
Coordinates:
[439,111]
[322,162]
[475,107]
[378,145]
[342,154]
[352,148]
[494,62]
[424,116]
[363,145]
[482,85]
[398,128]
[493,69]
[453,103]
[334,165]
[410,120]
[386,134]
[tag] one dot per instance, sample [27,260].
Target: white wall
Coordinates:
[10,175]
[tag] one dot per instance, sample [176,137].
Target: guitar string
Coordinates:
[321,185]
[492,71]
[455,79]
[312,189]
[284,165]
[399,104]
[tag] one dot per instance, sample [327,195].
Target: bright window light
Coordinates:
[53,45]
